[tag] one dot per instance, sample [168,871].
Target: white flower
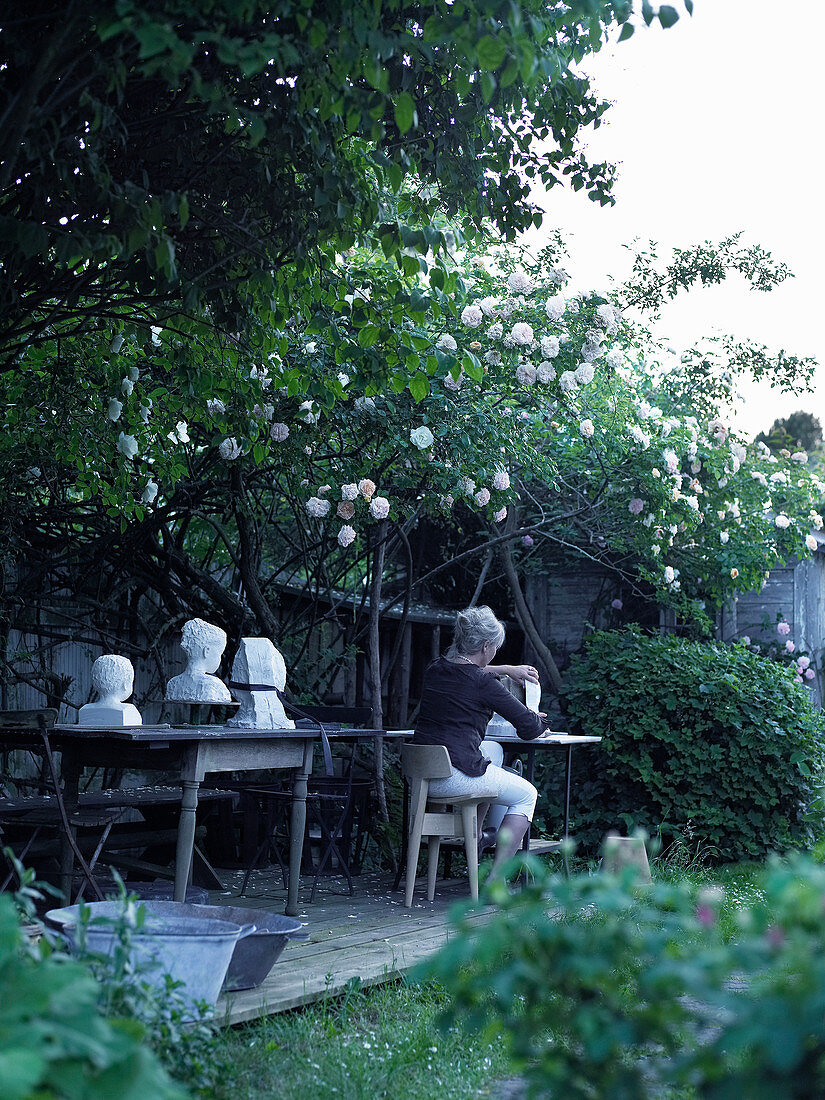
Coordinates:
[350,491]
[493,358]
[525,374]
[263,412]
[799,456]
[724,536]
[522,333]
[501,480]
[545,372]
[127,445]
[487,305]
[312,347]
[614,358]
[126,387]
[309,417]
[640,436]
[422,437]
[278,432]
[739,452]
[150,492]
[230,449]
[156,334]
[215,407]
[453,384]
[692,502]
[607,317]
[496,331]
[519,283]
[587,429]
[554,307]
[782,521]
[471,316]
[500,516]
[567,381]
[362,403]
[549,346]
[446,343]
[816,520]
[670,574]
[482,497]
[585,373]
[343,379]
[671,462]
[346,509]
[115,409]
[811,542]
[182,431]
[379,507]
[317,507]
[145,411]
[346,536]
[467,486]
[116,344]
[366,488]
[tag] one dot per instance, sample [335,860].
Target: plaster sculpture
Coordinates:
[113,679]
[259,662]
[532,695]
[203,644]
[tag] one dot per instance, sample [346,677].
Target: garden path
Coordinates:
[370,936]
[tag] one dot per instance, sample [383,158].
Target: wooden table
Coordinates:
[513,745]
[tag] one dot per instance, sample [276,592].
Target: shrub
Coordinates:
[599,988]
[703,739]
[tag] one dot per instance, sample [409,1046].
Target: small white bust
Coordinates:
[203,644]
[113,679]
[259,662]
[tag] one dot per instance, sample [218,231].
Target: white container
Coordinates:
[191,950]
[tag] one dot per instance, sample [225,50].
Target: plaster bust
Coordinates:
[113,679]
[203,644]
[259,662]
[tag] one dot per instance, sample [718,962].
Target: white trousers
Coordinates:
[515,795]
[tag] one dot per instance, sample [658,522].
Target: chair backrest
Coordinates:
[425,762]
[28,719]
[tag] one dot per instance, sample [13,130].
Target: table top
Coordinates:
[137,734]
[544,740]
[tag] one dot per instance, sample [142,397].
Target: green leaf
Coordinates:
[668,16]
[419,386]
[368,336]
[490,53]
[405,112]
[626,32]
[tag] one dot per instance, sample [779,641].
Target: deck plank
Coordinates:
[370,937]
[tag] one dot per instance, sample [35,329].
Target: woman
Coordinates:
[461,692]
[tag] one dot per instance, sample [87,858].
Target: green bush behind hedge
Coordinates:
[705,740]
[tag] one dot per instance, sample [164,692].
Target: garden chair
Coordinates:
[438,817]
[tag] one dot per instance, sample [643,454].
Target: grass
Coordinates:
[380,1042]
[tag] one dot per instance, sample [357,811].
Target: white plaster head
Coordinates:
[259,662]
[203,644]
[113,678]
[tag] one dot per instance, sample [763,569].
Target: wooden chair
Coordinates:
[437,817]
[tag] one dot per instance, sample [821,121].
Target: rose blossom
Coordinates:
[422,437]
[115,409]
[527,540]
[585,373]
[501,480]
[803,662]
[617,605]
[346,509]
[734,573]
[487,305]
[587,429]
[810,542]
[127,445]
[635,506]
[549,346]
[525,374]
[471,316]
[350,491]
[519,283]
[379,507]
[522,333]
[783,628]
[446,343]
[567,381]
[555,307]
[790,646]
[482,497]
[366,488]
[278,433]
[230,449]
[545,372]
[214,406]
[809,674]
[317,507]
[500,516]
[149,492]
[346,536]
[782,521]
[126,387]
[670,574]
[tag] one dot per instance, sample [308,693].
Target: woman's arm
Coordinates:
[519,673]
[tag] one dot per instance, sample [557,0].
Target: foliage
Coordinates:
[54,1042]
[799,431]
[163,158]
[703,736]
[604,988]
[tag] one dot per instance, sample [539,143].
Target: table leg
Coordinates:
[186,837]
[567,790]
[297,829]
[71,784]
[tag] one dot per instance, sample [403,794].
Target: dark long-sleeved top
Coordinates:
[458,702]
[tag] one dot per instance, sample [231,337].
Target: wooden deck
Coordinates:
[369,936]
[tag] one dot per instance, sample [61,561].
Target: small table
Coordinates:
[514,745]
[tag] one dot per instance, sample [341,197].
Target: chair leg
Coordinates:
[414,839]
[434,847]
[469,820]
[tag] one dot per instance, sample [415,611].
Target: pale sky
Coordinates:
[716,127]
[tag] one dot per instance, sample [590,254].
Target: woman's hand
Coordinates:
[522,673]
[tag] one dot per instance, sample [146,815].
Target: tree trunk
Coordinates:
[543,654]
